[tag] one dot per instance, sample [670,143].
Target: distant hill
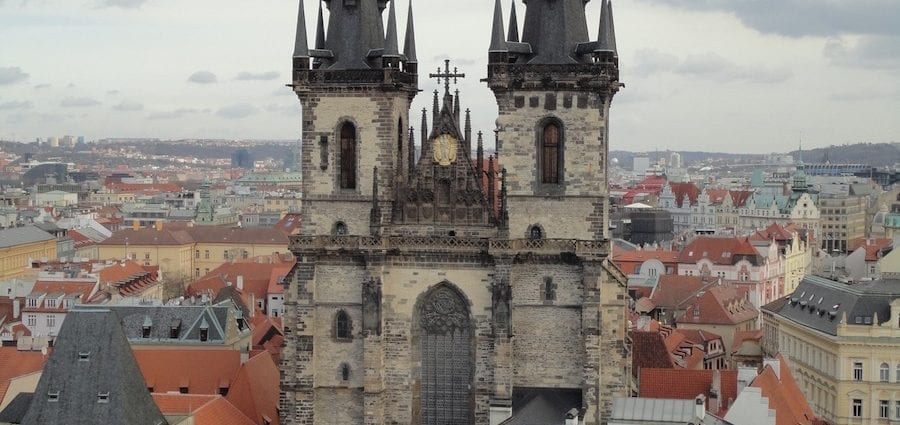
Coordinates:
[874,154]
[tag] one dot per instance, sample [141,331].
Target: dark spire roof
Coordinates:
[391,46]
[513,24]
[92,377]
[355,35]
[301,47]
[320,29]
[424,127]
[606,36]
[554,29]
[498,44]
[409,46]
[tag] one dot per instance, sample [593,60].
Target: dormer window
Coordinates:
[175,329]
[32,302]
[84,356]
[204,335]
[53,396]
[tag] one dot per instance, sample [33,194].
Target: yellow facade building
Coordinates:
[843,345]
[20,246]
[187,253]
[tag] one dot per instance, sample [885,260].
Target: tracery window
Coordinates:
[342,325]
[550,153]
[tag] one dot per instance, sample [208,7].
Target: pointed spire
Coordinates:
[391,49]
[320,29]
[606,37]
[301,47]
[492,198]
[468,133]
[424,128]
[456,108]
[498,44]
[479,157]
[435,109]
[411,153]
[513,24]
[409,46]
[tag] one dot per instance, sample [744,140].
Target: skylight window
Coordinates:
[103,397]
[53,396]
[84,356]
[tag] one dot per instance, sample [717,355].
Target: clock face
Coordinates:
[445,147]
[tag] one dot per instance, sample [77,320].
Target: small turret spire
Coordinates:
[409,46]
[424,128]
[513,24]
[498,44]
[456,108]
[479,157]
[320,29]
[411,153]
[612,27]
[301,47]
[391,48]
[435,109]
[468,132]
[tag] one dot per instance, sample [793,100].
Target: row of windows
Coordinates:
[884,409]
[884,372]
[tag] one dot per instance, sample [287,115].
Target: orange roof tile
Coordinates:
[673,290]
[722,305]
[14,363]
[785,397]
[664,256]
[203,371]
[722,251]
[256,389]
[683,191]
[687,384]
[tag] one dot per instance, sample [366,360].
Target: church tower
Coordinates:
[554,89]
[355,88]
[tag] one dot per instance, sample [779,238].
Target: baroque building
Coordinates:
[445,288]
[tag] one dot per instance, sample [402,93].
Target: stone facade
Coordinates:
[421,297]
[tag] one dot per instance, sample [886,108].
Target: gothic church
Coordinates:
[445,287]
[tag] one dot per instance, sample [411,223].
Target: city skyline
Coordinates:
[699,75]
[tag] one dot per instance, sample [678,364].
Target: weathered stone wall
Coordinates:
[339,406]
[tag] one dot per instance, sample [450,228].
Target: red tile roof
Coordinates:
[205,409]
[256,389]
[741,336]
[785,397]
[740,197]
[685,384]
[720,305]
[289,224]
[674,290]
[15,363]
[664,256]
[721,251]
[256,275]
[774,232]
[683,191]
[202,371]
[648,350]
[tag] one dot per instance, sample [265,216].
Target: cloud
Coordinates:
[78,102]
[868,52]
[15,105]
[287,110]
[12,75]
[707,66]
[112,92]
[284,91]
[237,111]
[799,18]
[203,77]
[257,76]
[128,106]
[42,86]
[171,115]
[124,4]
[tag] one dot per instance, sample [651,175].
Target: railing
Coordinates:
[581,248]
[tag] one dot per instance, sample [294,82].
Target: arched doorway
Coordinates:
[445,348]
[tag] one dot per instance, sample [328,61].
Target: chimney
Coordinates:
[16,307]
[240,283]
[715,392]
[159,225]
[700,407]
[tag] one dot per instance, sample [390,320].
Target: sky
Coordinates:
[752,76]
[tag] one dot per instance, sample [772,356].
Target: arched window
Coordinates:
[885,372]
[550,153]
[340,229]
[342,326]
[898,372]
[348,156]
[535,233]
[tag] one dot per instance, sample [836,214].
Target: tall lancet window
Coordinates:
[348,156]
[550,154]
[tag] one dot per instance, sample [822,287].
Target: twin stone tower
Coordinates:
[445,287]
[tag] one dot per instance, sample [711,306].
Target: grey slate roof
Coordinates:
[23,235]
[409,46]
[16,409]
[301,46]
[821,303]
[77,383]
[161,318]
[554,28]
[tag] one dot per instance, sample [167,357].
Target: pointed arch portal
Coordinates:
[445,348]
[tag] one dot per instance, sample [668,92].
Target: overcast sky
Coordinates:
[723,75]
